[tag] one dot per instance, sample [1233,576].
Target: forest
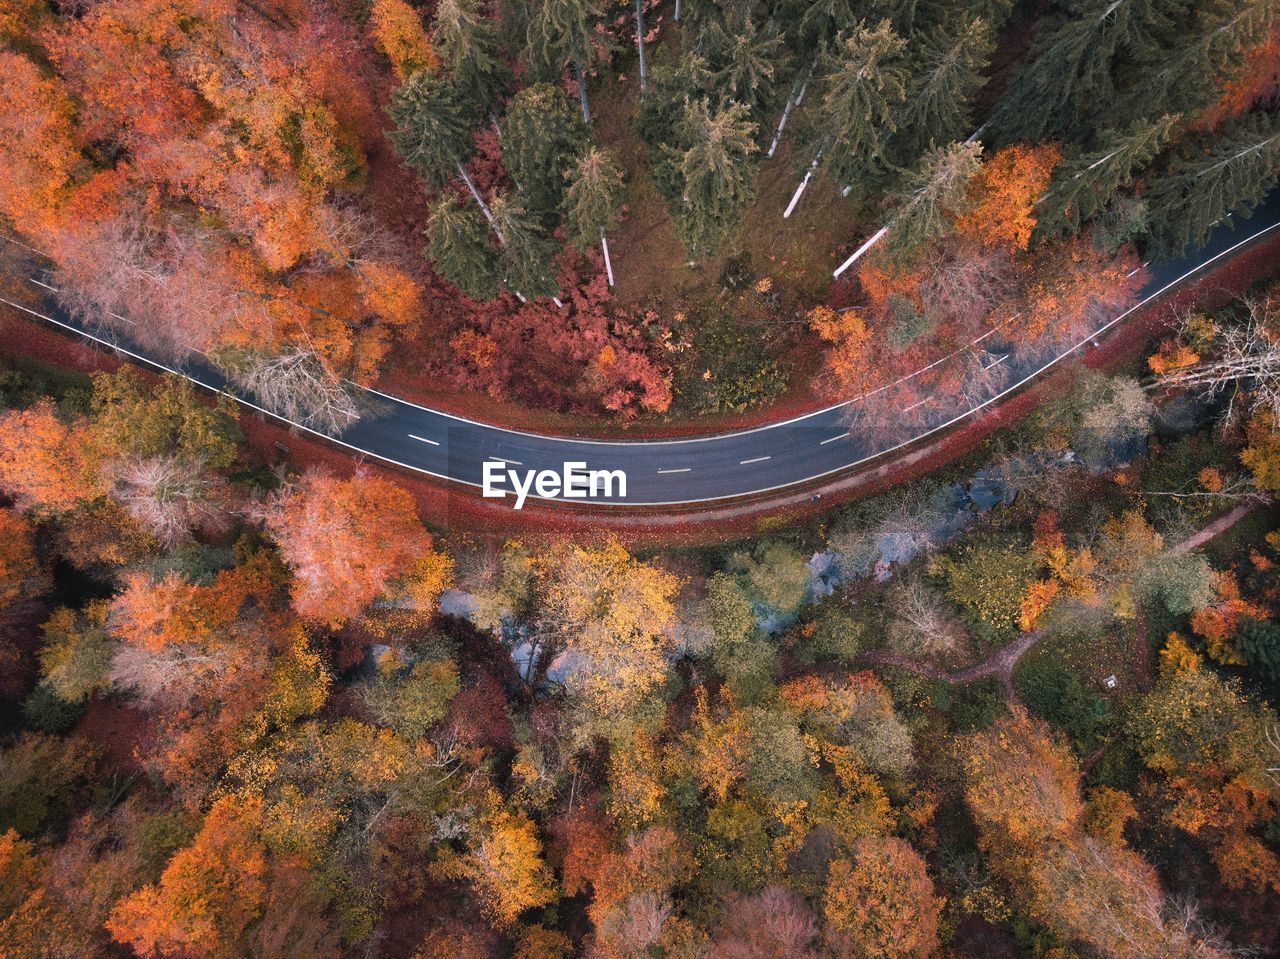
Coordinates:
[260,703]
[313,192]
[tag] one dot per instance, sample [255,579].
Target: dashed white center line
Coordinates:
[499,459]
[683,469]
[423,439]
[914,405]
[833,439]
[758,459]
[996,362]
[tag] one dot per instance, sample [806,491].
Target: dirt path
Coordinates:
[1220,525]
[1001,663]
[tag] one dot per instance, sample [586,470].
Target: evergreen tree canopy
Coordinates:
[1070,75]
[525,257]
[432,132]
[541,135]
[466,42]
[823,21]
[932,194]
[1204,52]
[1211,176]
[864,84]
[1083,185]
[563,33]
[715,171]
[459,245]
[951,72]
[744,63]
[593,202]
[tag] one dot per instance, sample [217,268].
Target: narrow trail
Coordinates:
[1001,663]
[1220,525]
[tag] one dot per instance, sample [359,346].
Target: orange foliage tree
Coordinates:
[44,462]
[208,895]
[1003,195]
[399,32]
[346,541]
[882,900]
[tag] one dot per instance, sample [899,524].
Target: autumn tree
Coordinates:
[295,384]
[609,613]
[75,658]
[208,895]
[41,155]
[882,901]
[1004,195]
[398,29]
[347,541]
[46,463]
[772,924]
[1020,785]
[22,576]
[505,865]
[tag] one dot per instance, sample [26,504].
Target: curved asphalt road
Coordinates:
[693,470]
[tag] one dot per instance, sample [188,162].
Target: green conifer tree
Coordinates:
[1211,176]
[1068,85]
[1084,184]
[593,202]
[466,42]
[716,173]
[930,196]
[460,248]
[433,132]
[525,257]
[562,33]
[864,80]
[541,134]
[950,73]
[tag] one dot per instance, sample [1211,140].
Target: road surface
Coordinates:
[691,470]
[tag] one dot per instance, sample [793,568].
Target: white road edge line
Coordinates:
[706,499]
[423,439]
[683,469]
[758,459]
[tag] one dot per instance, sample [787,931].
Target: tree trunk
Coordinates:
[484,207]
[857,254]
[644,73]
[582,93]
[796,95]
[677,11]
[608,264]
[803,184]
